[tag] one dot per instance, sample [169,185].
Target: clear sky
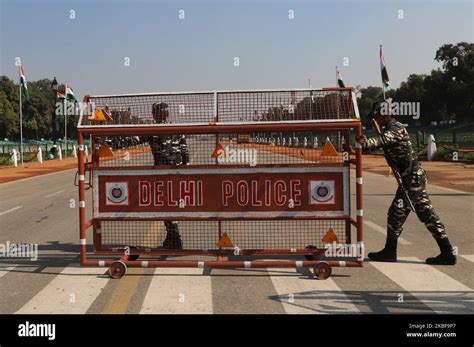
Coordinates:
[197,53]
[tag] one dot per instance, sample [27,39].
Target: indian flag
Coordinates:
[24,86]
[383,69]
[340,82]
[70,94]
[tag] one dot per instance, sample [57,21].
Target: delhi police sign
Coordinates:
[228,192]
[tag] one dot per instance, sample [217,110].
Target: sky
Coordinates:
[116,47]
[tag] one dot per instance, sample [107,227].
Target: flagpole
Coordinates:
[21,127]
[337,81]
[65,122]
[383,84]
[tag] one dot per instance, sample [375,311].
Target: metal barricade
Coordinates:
[250,178]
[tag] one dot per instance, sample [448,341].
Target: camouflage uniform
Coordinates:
[170,150]
[400,150]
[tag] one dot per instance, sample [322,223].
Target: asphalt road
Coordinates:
[41,211]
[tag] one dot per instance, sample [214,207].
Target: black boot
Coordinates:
[447,256]
[388,254]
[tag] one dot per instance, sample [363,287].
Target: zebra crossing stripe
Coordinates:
[440,292]
[309,296]
[469,257]
[178,290]
[73,290]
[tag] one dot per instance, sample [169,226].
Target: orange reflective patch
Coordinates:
[218,151]
[330,236]
[105,151]
[225,241]
[329,150]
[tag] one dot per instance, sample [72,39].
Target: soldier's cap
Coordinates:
[377,107]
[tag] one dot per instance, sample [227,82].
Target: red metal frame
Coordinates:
[344,126]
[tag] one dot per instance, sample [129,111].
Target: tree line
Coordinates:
[447,93]
[37,111]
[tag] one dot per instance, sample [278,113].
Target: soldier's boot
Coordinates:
[173,238]
[446,257]
[388,254]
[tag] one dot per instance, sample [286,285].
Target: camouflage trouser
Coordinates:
[400,209]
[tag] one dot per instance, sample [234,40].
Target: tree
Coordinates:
[458,78]
[8,119]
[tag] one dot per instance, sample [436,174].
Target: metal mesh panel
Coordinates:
[268,148]
[137,109]
[204,235]
[284,106]
[225,107]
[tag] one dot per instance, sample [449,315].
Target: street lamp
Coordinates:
[55,85]
[55,88]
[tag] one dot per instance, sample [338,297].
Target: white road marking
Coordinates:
[56,193]
[434,288]
[178,290]
[469,257]
[6,269]
[309,296]
[71,291]
[10,210]
[382,230]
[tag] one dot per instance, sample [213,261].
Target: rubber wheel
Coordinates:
[322,270]
[310,248]
[118,269]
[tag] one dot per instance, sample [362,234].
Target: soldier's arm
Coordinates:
[392,137]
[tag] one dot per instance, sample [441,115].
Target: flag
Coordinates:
[383,70]
[340,82]
[60,95]
[24,86]
[70,94]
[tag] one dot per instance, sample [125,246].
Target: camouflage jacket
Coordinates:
[169,150]
[399,148]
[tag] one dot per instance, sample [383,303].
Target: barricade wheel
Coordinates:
[310,248]
[322,270]
[117,269]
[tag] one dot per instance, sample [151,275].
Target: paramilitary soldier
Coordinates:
[401,155]
[168,150]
